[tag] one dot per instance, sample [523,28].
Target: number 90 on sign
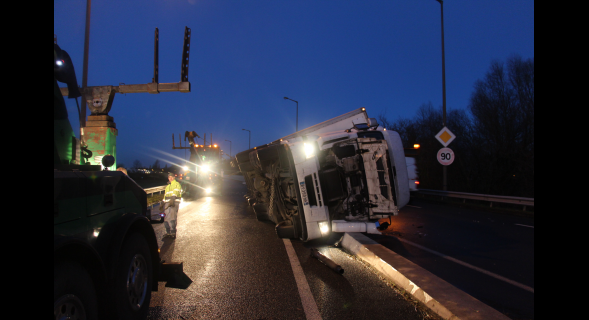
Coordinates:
[446,156]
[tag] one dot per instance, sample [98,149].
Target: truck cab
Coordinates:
[312,182]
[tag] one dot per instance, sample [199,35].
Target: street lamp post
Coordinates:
[445,183]
[286,98]
[229,148]
[249,146]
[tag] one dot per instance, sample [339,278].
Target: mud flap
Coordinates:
[173,274]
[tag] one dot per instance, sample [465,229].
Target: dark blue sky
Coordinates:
[331,56]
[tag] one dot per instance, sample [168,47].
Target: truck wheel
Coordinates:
[74,296]
[133,279]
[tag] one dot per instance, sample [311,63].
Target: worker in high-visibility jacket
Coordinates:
[172,200]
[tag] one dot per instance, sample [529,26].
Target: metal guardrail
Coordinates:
[525,202]
[155,189]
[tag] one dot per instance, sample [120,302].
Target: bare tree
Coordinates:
[502,106]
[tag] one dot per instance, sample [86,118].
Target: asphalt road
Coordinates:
[486,254]
[242,270]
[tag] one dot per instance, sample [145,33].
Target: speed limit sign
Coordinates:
[446,156]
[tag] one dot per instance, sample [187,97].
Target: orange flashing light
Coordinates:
[417,182]
[416,146]
[215,145]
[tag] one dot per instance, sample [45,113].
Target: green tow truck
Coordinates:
[106,259]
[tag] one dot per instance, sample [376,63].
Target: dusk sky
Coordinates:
[246,55]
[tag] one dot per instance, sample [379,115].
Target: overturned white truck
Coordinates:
[337,176]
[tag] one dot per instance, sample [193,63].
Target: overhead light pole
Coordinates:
[286,98]
[85,69]
[445,183]
[249,146]
[229,148]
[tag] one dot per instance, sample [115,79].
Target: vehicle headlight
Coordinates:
[309,150]
[205,168]
[324,227]
[185,168]
[208,190]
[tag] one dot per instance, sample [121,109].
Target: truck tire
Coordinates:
[74,296]
[133,279]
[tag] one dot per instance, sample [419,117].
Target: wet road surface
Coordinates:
[489,255]
[241,270]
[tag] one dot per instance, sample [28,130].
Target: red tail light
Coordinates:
[417,182]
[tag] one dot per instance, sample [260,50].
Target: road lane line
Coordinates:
[496,276]
[309,304]
[523,225]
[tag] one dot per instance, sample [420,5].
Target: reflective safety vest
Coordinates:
[173,189]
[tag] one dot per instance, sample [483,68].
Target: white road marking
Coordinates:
[412,206]
[496,276]
[523,225]
[309,304]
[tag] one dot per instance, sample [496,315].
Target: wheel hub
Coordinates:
[69,307]
[137,282]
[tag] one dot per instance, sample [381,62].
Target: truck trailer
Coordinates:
[341,175]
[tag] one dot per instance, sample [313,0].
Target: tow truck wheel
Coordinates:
[74,296]
[133,279]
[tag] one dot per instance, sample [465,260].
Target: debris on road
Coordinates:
[335,267]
